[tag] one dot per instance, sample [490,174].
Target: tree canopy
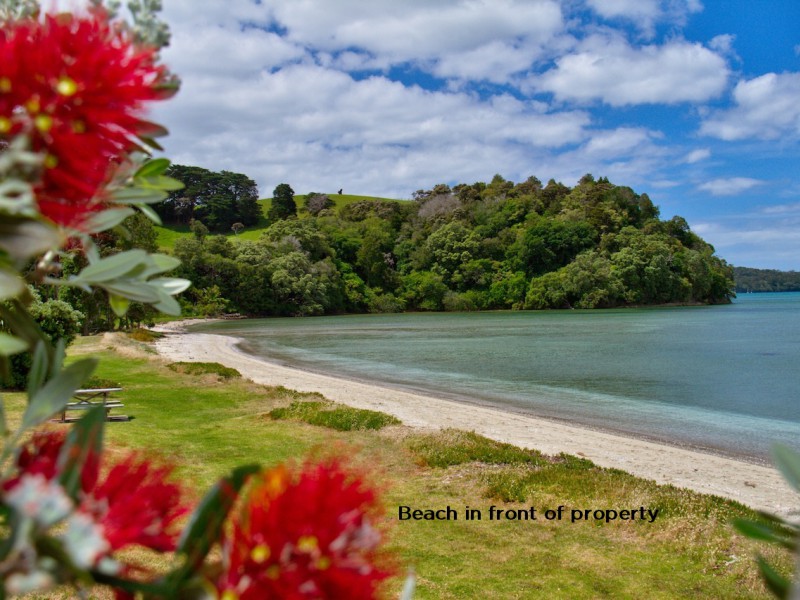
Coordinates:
[468,247]
[766,280]
[218,200]
[283,204]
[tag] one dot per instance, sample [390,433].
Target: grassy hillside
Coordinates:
[167,235]
[208,425]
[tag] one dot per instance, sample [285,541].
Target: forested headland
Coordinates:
[765,280]
[480,246]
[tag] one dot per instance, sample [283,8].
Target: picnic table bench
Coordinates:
[90,398]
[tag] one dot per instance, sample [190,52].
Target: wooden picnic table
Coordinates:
[90,398]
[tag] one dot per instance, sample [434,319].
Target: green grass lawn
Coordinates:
[208,424]
[168,234]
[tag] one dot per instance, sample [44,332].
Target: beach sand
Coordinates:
[757,486]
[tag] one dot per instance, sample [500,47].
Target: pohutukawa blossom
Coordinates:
[133,504]
[304,535]
[137,504]
[77,86]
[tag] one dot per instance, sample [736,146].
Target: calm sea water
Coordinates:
[719,377]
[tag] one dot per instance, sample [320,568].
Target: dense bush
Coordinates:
[473,247]
[58,320]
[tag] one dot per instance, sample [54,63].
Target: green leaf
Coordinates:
[167,305]
[40,365]
[149,213]
[16,198]
[160,263]
[776,534]
[138,291]
[59,352]
[788,463]
[24,238]
[153,168]
[20,322]
[11,285]
[777,584]
[119,304]
[205,525]
[150,142]
[11,345]
[55,394]
[3,421]
[113,267]
[137,195]
[159,183]
[83,444]
[150,129]
[107,219]
[171,285]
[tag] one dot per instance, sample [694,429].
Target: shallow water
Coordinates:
[719,377]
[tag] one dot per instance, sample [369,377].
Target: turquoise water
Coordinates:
[719,377]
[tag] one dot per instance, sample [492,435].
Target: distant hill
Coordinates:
[168,234]
[765,280]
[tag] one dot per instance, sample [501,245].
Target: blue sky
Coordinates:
[695,102]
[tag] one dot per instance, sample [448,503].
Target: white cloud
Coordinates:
[635,10]
[698,155]
[723,44]
[324,129]
[767,108]
[246,52]
[646,13]
[618,142]
[773,245]
[495,62]
[782,209]
[441,36]
[730,186]
[607,68]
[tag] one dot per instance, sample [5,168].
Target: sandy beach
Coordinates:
[760,487]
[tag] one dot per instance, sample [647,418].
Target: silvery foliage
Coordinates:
[147,28]
[16,194]
[11,10]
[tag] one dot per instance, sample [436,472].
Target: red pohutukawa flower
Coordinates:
[77,85]
[304,535]
[134,503]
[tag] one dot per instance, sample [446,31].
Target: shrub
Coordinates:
[341,418]
[144,335]
[455,447]
[204,368]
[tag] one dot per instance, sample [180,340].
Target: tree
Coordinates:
[237,227]
[217,199]
[138,233]
[199,230]
[58,320]
[283,204]
[316,203]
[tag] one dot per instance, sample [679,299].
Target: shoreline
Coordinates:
[758,486]
[506,409]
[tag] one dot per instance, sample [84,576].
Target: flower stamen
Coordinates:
[66,87]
